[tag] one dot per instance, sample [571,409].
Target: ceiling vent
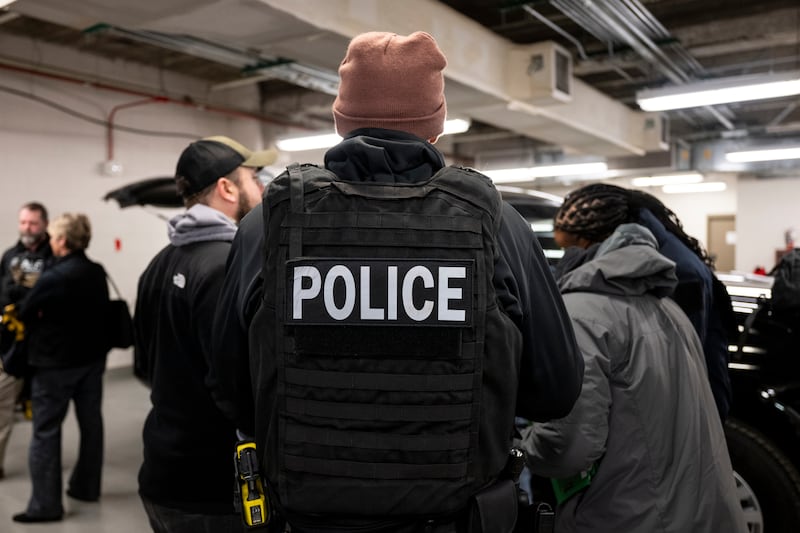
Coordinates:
[540,74]
[652,130]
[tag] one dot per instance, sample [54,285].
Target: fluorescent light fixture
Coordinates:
[667,179]
[553,254]
[456,125]
[720,91]
[515,175]
[537,194]
[4,3]
[326,140]
[750,292]
[706,186]
[770,154]
[542,227]
[312,142]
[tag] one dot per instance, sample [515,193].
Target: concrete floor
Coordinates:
[125,405]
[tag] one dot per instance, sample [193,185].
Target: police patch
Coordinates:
[427,292]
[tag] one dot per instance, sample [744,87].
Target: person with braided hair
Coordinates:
[591,213]
[643,448]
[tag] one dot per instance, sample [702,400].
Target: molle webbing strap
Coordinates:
[384,220]
[361,470]
[296,206]
[378,441]
[367,229]
[373,381]
[360,411]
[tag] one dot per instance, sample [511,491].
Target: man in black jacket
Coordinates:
[186,479]
[390,109]
[20,268]
[23,263]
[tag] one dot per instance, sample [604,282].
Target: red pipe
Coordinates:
[187,102]
[110,121]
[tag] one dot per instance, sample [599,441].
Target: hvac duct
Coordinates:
[525,89]
[546,80]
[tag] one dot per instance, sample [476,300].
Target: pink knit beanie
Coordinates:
[392,81]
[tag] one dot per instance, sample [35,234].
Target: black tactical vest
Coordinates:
[385,375]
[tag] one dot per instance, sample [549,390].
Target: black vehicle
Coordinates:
[763,427]
[538,208]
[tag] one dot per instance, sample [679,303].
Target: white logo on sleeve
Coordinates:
[179,280]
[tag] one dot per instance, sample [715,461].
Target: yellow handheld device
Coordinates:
[250,491]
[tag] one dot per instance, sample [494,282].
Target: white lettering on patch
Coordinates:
[403,291]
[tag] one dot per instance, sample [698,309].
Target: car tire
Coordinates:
[768,484]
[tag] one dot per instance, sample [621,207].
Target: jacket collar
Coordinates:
[627,263]
[383,156]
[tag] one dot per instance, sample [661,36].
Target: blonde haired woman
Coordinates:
[64,313]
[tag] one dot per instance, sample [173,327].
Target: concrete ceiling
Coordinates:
[291,49]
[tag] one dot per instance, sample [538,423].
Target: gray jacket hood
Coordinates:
[627,263]
[200,223]
[646,415]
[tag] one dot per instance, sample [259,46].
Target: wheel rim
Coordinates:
[750,505]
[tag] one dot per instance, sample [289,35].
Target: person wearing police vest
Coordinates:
[399,316]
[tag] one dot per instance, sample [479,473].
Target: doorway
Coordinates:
[722,241]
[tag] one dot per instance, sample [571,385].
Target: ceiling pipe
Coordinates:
[584,21]
[113,113]
[649,22]
[643,45]
[680,75]
[145,94]
[625,22]
[782,115]
[544,20]
[247,61]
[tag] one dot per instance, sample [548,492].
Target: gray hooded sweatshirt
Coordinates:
[646,415]
[200,223]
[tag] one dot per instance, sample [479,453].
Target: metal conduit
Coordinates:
[694,65]
[669,68]
[640,42]
[660,32]
[654,27]
[544,20]
[635,21]
[647,16]
[587,23]
[628,21]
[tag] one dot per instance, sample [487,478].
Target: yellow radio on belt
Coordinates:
[12,323]
[250,498]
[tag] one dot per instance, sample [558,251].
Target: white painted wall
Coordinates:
[50,156]
[767,208]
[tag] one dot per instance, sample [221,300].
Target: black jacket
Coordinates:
[552,367]
[188,443]
[65,314]
[709,308]
[20,268]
